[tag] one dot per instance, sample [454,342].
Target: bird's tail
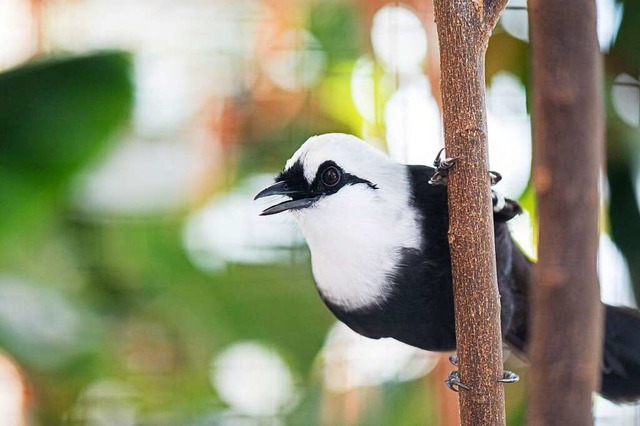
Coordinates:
[621,356]
[621,349]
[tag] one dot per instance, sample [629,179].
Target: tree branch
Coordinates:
[493,9]
[463,31]
[566,326]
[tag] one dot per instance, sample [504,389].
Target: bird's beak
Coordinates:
[299,199]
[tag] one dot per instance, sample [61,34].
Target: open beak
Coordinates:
[299,200]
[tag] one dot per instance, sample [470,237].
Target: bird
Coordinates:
[377,231]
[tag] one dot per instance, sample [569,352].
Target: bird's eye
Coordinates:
[331,176]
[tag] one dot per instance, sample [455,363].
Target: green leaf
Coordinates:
[57,114]
[55,117]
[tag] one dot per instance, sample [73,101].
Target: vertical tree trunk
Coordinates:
[566,335]
[464,28]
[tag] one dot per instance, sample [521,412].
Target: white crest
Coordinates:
[356,234]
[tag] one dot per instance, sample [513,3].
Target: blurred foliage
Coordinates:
[139,275]
[339,28]
[623,150]
[623,144]
[141,311]
[114,278]
[506,53]
[55,117]
[627,44]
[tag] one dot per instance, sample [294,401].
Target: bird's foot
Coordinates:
[495,177]
[509,377]
[453,382]
[442,166]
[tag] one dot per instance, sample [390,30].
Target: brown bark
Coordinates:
[566,335]
[464,28]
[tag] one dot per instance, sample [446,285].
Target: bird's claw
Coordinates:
[444,163]
[509,377]
[442,166]
[453,381]
[438,178]
[495,177]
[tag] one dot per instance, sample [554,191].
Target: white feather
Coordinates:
[355,235]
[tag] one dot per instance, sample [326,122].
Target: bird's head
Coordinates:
[331,173]
[353,205]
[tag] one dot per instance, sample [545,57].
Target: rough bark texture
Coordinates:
[567,314]
[464,27]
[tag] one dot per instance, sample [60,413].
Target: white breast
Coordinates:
[355,237]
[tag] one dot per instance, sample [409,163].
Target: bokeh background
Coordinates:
[138,286]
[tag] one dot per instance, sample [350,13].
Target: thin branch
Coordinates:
[492,11]
[463,32]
